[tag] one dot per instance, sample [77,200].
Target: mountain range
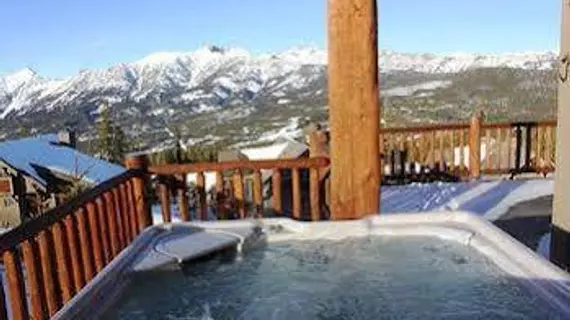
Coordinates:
[230,95]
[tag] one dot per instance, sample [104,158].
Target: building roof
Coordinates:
[285,149]
[289,149]
[33,156]
[231,155]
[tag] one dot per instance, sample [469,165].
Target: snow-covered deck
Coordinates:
[488,199]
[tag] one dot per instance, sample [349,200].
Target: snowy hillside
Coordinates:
[213,74]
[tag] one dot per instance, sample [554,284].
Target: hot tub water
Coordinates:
[375,277]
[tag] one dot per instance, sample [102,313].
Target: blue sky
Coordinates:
[60,37]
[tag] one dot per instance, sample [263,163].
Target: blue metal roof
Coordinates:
[31,156]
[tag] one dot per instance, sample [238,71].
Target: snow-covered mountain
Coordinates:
[453,63]
[206,78]
[230,92]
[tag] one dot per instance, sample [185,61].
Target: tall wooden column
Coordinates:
[354,109]
[560,244]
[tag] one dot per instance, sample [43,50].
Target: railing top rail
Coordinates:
[31,228]
[235,165]
[464,126]
[427,128]
[505,125]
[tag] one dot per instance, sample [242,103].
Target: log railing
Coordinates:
[521,147]
[423,151]
[46,261]
[294,188]
[466,150]
[49,259]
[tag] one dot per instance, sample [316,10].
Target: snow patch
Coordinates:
[410,90]
[544,246]
[265,153]
[192,178]
[290,131]
[530,190]
[456,203]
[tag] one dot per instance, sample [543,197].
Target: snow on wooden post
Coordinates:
[354,108]
[560,242]
[475,147]
[140,162]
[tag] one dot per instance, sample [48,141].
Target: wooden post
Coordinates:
[354,109]
[202,201]
[63,262]
[315,194]
[165,202]
[131,207]
[16,286]
[220,197]
[139,190]
[117,239]
[258,193]
[277,197]
[318,144]
[296,190]
[183,203]
[239,194]
[104,229]
[475,147]
[32,262]
[560,242]
[85,243]
[51,289]
[75,252]
[95,234]
[318,147]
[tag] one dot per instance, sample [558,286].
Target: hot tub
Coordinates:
[416,266]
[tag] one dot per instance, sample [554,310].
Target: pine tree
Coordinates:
[112,140]
[105,141]
[119,145]
[178,148]
[23,132]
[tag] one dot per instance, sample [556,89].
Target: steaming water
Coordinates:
[358,278]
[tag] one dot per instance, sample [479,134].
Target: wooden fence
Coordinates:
[467,150]
[49,259]
[229,187]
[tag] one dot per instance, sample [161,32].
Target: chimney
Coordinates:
[67,138]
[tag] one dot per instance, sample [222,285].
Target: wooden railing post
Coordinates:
[277,197]
[318,147]
[140,163]
[475,147]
